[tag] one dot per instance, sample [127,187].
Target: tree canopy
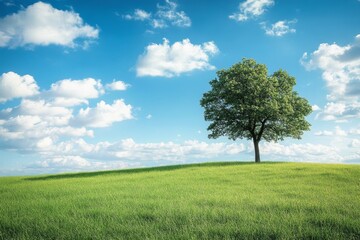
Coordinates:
[246,102]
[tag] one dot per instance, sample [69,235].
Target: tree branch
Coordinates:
[261,130]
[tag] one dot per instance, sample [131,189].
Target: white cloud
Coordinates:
[354,131]
[337,110]
[13,85]
[41,24]
[158,23]
[66,102]
[46,142]
[279,28]
[15,127]
[76,163]
[45,124]
[130,150]
[117,86]
[169,13]
[315,108]
[166,60]
[355,143]
[69,131]
[334,109]
[53,115]
[340,66]
[73,162]
[39,107]
[138,14]
[340,111]
[338,132]
[209,47]
[36,136]
[77,89]
[68,92]
[77,154]
[251,9]
[165,15]
[301,152]
[32,121]
[103,115]
[41,124]
[324,133]
[149,116]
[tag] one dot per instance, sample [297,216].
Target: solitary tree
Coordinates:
[245,102]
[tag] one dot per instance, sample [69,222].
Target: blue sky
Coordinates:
[88,85]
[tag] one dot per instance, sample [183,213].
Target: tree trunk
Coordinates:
[257,151]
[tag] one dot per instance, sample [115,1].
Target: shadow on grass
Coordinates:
[138,170]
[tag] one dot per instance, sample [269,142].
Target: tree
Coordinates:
[245,102]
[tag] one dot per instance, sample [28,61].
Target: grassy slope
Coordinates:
[221,201]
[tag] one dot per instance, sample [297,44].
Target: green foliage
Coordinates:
[245,102]
[204,201]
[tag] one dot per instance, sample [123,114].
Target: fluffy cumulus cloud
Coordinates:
[40,123]
[166,15]
[315,108]
[341,111]
[103,115]
[250,9]
[279,28]
[82,89]
[340,66]
[67,92]
[13,85]
[42,24]
[35,126]
[165,60]
[53,115]
[59,133]
[117,86]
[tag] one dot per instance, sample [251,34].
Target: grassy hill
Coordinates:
[202,201]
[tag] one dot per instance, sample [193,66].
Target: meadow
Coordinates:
[199,201]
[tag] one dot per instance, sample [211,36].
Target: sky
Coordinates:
[97,85]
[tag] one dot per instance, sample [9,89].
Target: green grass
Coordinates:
[201,201]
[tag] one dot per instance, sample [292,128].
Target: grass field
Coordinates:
[203,201]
